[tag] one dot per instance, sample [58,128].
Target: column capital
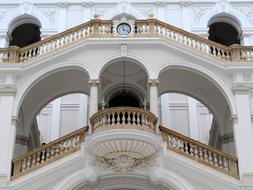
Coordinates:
[94,82]
[161,3]
[8,89]
[87,4]
[234,119]
[153,82]
[241,88]
[14,120]
[185,3]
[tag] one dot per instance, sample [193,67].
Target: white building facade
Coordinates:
[126,95]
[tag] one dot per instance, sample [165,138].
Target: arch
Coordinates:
[22,19]
[169,180]
[215,79]
[235,17]
[47,85]
[118,57]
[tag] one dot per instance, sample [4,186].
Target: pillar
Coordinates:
[7,129]
[93,108]
[186,14]
[62,16]
[243,131]
[153,99]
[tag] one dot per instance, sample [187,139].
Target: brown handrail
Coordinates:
[48,153]
[97,28]
[200,152]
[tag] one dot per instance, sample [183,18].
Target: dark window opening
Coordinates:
[223,33]
[25,35]
[124,100]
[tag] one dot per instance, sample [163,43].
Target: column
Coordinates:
[243,131]
[193,122]
[186,14]
[153,100]
[56,118]
[62,16]
[93,98]
[83,111]
[165,111]
[3,40]
[7,132]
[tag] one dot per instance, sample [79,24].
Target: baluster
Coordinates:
[28,164]
[47,153]
[138,119]
[38,160]
[210,157]
[200,153]
[128,117]
[220,161]
[191,149]
[225,161]
[113,118]
[186,148]
[23,167]
[205,155]
[34,160]
[123,118]
[42,156]
[196,152]
[134,115]
[118,118]
[215,160]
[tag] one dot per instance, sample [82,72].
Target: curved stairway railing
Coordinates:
[48,153]
[150,28]
[200,152]
[123,118]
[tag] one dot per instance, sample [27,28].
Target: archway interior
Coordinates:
[123,83]
[194,84]
[25,34]
[43,91]
[223,33]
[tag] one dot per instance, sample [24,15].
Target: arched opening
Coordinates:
[198,86]
[123,83]
[43,91]
[24,31]
[225,30]
[124,99]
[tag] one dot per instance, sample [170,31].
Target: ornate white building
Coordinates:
[136,95]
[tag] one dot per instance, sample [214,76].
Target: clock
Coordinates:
[123,29]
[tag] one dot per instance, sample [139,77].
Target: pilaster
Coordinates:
[186,12]
[62,15]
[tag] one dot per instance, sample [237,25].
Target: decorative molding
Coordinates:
[63,4]
[20,139]
[8,89]
[227,138]
[87,4]
[247,11]
[198,13]
[241,88]
[50,14]
[185,3]
[123,50]
[26,8]
[153,82]
[145,11]
[102,11]
[124,6]
[234,119]
[161,4]
[94,82]
[15,120]
[3,13]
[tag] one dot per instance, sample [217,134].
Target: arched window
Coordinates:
[24,31]
[224,30]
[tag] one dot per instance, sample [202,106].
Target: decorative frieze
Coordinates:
[153,82]
[247,11]
[199,12]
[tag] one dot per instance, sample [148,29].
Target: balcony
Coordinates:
[123,138]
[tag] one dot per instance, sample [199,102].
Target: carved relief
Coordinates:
[145,11]
[247,11]
[50,14]
[103,11]
[198,13]
[124,6]
[2,14]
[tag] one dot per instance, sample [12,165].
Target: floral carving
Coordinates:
[198,13]
[50,14]
[247,11]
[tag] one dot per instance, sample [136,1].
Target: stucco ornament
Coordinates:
[124,155]
[247,12]
[198,13]
[50,14]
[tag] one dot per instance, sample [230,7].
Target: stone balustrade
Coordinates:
[150,28]
[48,153]
[200,152]
[123,118]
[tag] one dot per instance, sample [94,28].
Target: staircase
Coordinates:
[185,146]
[48,153]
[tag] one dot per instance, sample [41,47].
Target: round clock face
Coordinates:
[124,29]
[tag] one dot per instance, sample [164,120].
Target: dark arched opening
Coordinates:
[25,34]
[122,100]
[223,33]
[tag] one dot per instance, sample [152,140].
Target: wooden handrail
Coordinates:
[200,152]
[97,28]
[48,153]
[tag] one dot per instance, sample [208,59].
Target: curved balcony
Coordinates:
[123,138]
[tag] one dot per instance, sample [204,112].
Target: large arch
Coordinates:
[134,181]
[202,86]
[47,85]
[123,74]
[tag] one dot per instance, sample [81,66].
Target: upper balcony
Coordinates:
[124,28]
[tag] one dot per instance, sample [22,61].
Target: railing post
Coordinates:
[151,24]
[96,23]
[13,57]
[235,52]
